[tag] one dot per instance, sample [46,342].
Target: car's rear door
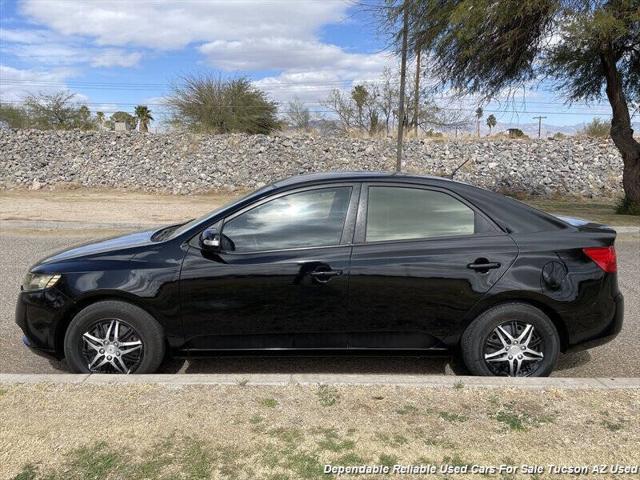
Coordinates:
[281,279]
[422,257]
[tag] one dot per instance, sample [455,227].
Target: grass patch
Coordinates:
[612,426]
[29,472]
[387,460]
[327,396]
[455,460]
[333,443]
[521,417]
[602,210]
[459,385]
[185,459]
[291,436]
[304,464]
[269,402]
[395,440]
[256,419]
[453,417]
[407,409]
[350,459]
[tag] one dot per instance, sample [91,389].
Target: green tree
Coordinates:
[83,120]
[208,104]
[360,96]
[52,110]
[491,122]
[143,116]
[14,116]
[597,128]
[589,48]
[124,117]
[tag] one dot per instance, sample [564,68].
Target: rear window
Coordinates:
[404,213]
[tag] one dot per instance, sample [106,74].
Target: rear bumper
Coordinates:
[609,333]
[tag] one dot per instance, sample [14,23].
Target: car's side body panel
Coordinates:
[413,293]
[408,294]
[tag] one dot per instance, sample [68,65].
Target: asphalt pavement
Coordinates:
[619,358]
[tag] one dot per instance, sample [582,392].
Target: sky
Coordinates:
[115,54]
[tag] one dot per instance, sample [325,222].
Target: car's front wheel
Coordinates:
[515,340]
[114,337]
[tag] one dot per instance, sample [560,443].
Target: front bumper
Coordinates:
[39,314]
[609,333]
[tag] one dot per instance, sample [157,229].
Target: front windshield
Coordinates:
[196,221]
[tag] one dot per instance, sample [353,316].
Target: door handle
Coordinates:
[483,266]
[323,276]
[328,273]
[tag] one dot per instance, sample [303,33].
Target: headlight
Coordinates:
[38,281]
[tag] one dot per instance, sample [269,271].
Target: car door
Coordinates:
[281,278]
[422,257]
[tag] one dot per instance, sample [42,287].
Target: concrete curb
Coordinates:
[276,379]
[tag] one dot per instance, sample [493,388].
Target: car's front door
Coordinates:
[281,278]
[422,257]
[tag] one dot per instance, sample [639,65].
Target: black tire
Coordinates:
[474,340]
[147,329]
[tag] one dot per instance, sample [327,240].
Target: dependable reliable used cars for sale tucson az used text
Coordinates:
[348,261]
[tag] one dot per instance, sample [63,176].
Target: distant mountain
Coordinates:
[531,129]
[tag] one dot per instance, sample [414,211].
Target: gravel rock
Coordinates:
[182,163]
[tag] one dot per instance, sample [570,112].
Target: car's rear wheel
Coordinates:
[515,340]
[114,337]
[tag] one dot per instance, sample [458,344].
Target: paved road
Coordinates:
[619,358]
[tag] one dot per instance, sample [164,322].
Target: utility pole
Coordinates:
[539,124]
[403,78]
[416,100]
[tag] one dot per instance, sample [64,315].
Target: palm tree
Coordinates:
[143,115]
[491,122]
[479,113]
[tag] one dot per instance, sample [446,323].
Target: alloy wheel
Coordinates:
[513,349]
[112,346]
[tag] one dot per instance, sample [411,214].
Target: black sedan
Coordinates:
[349,261]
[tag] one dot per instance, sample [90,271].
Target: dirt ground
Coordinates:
[262,432]
[67,210]
[106,206]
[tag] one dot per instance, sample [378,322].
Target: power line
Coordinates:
[107,104]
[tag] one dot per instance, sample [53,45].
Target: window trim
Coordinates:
[361,222]
[347,229]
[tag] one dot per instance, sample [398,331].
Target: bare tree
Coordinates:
[342,106]
[297,115]
[387,99]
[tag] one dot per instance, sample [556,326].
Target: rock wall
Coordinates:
[185,163]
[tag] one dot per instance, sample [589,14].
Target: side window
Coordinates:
[312,218]
[399,213]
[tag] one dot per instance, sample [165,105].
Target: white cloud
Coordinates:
[114,57]
[165,24]
[235,35]
[15,84]
[44,47]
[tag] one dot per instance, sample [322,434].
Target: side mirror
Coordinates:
[210,240]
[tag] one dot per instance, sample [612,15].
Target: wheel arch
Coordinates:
[84,302]
[526,299]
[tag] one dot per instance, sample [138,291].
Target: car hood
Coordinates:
[121,244]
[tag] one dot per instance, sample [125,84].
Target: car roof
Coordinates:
[354,176]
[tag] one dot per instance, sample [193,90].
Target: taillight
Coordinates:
[604,257]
